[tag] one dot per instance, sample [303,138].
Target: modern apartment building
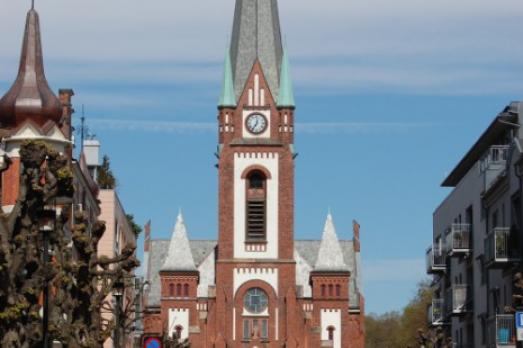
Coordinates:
[477,238]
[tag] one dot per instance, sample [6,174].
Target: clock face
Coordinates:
[256,123]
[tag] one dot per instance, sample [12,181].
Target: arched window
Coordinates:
[179,290]
[330,332]
[186,290]
[323,294]
[338,290]
[256,206]
[171,290]
[178,329]
[331,292]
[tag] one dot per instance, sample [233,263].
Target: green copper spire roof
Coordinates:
[227,97]
[286,96]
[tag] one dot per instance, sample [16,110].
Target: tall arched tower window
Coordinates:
[256,206]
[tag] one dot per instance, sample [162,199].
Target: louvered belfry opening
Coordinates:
[256,206]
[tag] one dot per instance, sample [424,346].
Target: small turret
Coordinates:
[330,256]
[179,257]
[30,97]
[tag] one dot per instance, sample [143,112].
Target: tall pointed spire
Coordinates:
[179,257]
[256,35]
[286,96]
[227,97]
[30,97]
[330,256]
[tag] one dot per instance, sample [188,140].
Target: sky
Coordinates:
[390,95]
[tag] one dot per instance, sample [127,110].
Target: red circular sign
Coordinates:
[152,342]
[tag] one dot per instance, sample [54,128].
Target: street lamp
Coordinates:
[46,225]
[118,292]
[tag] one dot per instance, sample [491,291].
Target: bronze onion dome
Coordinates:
[30,97]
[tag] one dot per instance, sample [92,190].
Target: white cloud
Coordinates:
[469,46]
[198,127]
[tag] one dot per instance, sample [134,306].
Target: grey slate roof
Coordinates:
[256,34]
[307,249]
[330,256]
[200,249]
[179,257]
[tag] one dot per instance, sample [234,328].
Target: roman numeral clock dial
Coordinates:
[256,123]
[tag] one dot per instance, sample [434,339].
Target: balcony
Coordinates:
[501,331]
[493,163]
[436,259]
[458,300]
[500,248]
[459,239]
[436,315]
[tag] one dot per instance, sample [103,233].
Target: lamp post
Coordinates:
[47,224]
[118,292]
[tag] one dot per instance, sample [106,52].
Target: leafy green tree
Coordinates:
[106,179]
[137,229]
[400,330]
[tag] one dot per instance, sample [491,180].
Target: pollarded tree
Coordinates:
[80,282]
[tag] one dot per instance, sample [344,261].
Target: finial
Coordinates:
[32,4]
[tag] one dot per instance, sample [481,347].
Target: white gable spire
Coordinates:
[179,257]
[330,256]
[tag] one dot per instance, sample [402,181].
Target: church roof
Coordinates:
[308,251]
[179,257]
[30,97]
[227,98]
[286,95]
[256,35]
[330,255]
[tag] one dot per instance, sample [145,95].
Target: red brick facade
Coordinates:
[219,319]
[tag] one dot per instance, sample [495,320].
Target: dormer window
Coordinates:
[256,206]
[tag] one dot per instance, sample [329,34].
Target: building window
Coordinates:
[179,290]
[338,290]
[171,290]
[331,290]
[255,329]
[256,301]
[330,333]
[246,329]
[256,206]
[186,290]
[323,294]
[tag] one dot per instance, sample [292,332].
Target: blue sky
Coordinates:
[389,95]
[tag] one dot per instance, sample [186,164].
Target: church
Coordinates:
[255,286]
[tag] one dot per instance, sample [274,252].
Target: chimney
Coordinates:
[91,152]
[66,96]
[356,230]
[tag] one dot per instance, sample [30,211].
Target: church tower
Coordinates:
[256,286]
[256,180]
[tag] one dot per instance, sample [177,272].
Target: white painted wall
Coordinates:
[179,316]
[242,161]
[244,275]
[331,317]
[206,270]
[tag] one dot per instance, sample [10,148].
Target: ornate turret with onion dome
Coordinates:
[30,97]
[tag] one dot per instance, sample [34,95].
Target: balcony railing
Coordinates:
[501,331]
[493,163]
[457,299]
[436,314]
[501,247]
[436,259]
[459,239]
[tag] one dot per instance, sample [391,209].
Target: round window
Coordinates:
[256,301]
